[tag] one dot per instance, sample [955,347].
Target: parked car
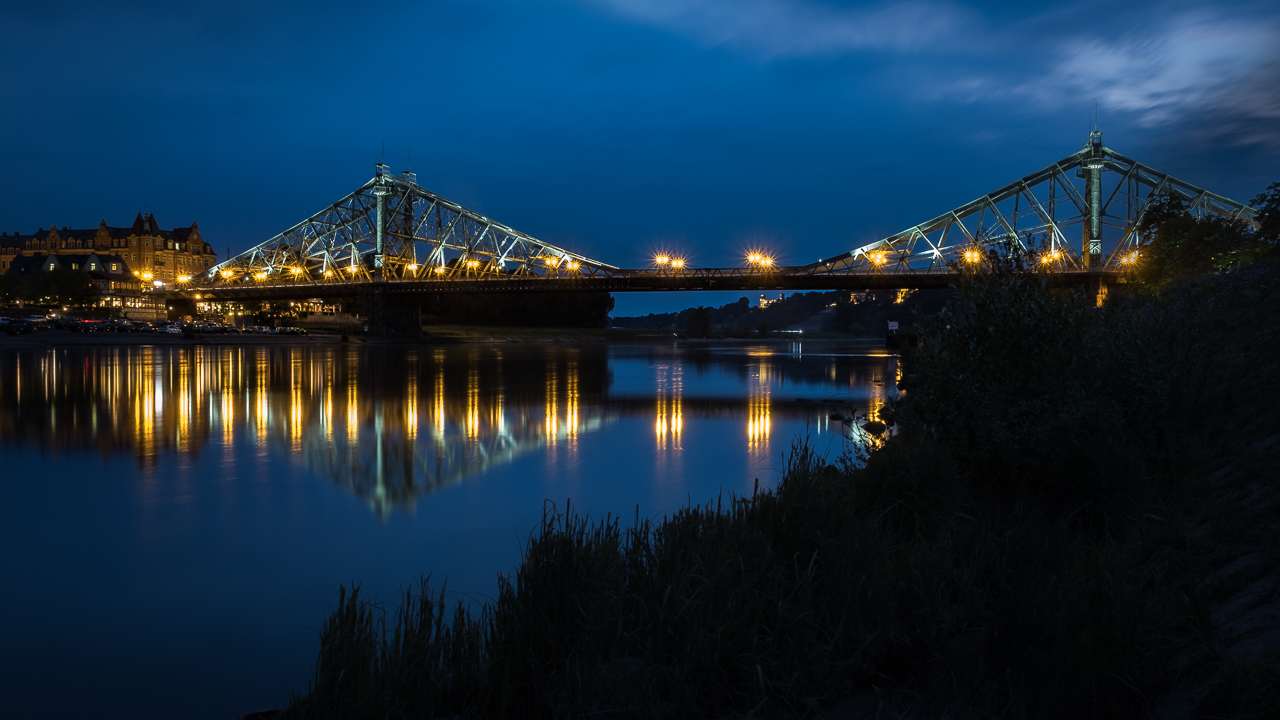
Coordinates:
[19,327]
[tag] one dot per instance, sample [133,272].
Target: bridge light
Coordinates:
[573,265]
[413,267]
[184,278]
[328,273]
[472,263]
[261,276]
[661,260]
[439,269]
[972,256]
[295,271]
[677,263]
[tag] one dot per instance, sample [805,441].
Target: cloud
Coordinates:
[798,28]
[1198,72]
[1194,62]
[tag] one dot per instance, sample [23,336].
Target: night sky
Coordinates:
[617,127]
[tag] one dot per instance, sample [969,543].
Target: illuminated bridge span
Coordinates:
[1080,216]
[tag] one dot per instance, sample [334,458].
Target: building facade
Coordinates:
[151,253]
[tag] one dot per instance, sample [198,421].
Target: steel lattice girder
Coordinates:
[1049,208]
[425,237]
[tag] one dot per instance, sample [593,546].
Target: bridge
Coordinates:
[392,239]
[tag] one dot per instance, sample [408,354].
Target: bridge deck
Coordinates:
[707,279]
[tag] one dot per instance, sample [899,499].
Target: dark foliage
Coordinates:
[698,322]
[1178,246]
[71,288]
[1025,544]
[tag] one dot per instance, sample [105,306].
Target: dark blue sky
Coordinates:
[616,127]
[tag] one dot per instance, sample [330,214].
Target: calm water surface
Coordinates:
[175,522]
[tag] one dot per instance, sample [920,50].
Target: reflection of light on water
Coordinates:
[295,418]
[438,409]
[226,417]
[353,418]
[758,414]
[411,404]
[670,415]
[553,420]
[473,403]
[758,422]
[571,401]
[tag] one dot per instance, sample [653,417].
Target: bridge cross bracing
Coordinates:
[1080,216]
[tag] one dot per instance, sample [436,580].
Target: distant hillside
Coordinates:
[857,314]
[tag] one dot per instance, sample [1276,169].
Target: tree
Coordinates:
[1177,245]
[699,322]
[1268,206]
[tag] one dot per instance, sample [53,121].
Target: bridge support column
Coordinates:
[1096,290]
[392,316]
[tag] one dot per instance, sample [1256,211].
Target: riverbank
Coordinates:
[1077,517]
[436,334]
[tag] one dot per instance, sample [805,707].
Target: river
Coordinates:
[175,521]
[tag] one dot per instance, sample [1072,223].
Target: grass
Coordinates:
[1035,540]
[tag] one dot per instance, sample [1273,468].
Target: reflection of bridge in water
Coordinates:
[393,425]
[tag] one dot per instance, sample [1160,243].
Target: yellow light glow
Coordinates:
[227,273]
[661,259]
[184,278]
[295,271]
[473,263]
[573,265]
[413,267]
[439,270]
[328,273]
[677,262]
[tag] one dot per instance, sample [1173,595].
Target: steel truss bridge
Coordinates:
[1079,217]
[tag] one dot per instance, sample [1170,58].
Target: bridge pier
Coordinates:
[392,316]
[1095,289]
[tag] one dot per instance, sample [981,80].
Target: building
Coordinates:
[152,254]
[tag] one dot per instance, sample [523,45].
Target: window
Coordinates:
[115,267]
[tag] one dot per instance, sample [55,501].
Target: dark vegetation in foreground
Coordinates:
[1069,499]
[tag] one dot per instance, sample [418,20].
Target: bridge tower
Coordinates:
[1092,160]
